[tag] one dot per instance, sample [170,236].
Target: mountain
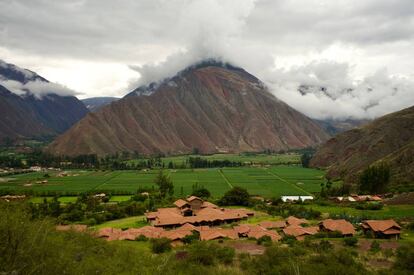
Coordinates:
[30,108]
[95,103]
[334,127]
[389,138]
[213,107]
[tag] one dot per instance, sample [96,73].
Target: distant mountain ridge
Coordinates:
[213,107]
[95,103]
[28,115]
[387,139]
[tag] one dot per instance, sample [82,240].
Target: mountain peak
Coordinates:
[149,89]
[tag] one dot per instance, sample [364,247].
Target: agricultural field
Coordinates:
[264,181]
[265,159]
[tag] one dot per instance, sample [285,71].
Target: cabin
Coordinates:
[300,232]
[344,227]
[382,228]
[296,198]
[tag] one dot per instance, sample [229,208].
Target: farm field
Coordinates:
[266,159]
[263,181]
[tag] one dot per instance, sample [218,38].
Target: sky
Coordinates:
[360,52]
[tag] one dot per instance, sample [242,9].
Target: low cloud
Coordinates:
[326,90]
[38,88]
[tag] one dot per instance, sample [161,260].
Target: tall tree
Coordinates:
[164,183]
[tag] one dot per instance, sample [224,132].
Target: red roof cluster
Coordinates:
[208,213]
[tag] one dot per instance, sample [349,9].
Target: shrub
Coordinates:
[324,246]
[351,241]
[204,253]
[264,240]
[375,247]
[405,258]
[335,234]
[235,196]
[161,245]
[191,238]
[141,238]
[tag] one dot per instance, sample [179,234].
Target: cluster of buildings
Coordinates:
[193,215]
[357,198]
[197,212]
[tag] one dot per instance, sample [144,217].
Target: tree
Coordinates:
[165,185]
[235,196]
[375,179]
[200,191]
[305,159]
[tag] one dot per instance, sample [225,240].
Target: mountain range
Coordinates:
[388,139]
[211,106]
[27,113]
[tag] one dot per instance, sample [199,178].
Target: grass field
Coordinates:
[266,159]
[264,181]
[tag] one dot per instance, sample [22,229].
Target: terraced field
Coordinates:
[264,181]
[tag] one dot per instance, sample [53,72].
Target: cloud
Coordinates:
[38,88]
[325,90]
[97,46]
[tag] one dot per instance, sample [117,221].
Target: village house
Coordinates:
[382,228]
[273,224]
[296,198]
[344,227]
[9,198]
[291,220]
[197,212]
[300,232]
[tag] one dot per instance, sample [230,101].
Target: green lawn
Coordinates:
[137,221]
[264,181]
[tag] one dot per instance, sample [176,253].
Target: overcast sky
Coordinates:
[362,51]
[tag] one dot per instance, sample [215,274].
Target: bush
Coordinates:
[235,196]
[191,238]
[204,253]
[405,258]
[324,246]
[264,240]
[351,241]
[335,234]
[141,238]
[375,247]
[161,245]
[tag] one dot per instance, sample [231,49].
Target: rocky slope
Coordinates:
[389,138]
[212,107]
[27,114]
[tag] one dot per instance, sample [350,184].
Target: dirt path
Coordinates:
[225,179]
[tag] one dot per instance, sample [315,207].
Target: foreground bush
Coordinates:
[160,245]
[207,253]
[350,241]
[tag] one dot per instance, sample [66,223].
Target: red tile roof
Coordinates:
[193,198]
[295,221]
[343,226]
[381,225]
[180,203]
[299,232]
[273,224]
[218,233]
